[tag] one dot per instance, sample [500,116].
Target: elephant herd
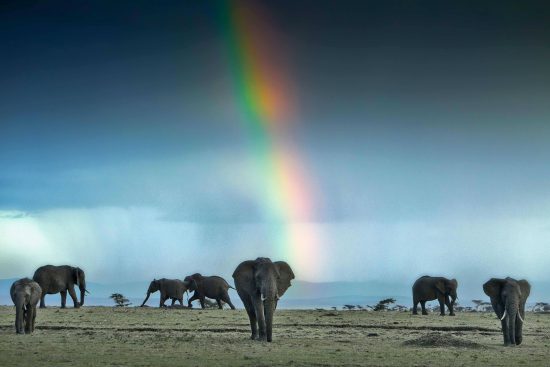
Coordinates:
[26,293]
[260,284]
[508,297]
[213,287]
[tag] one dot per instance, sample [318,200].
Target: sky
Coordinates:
[356,140]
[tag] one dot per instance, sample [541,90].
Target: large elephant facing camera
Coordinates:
[428,288]
[508,297]
[213,287]
[25,294]
[261,283]
[169,288]
[60,279]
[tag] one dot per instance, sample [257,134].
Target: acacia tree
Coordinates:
[120,300]
[383,304]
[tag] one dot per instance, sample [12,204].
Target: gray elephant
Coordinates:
[60,279]
[214,287]
[261,283]
[25,294]
[169,288]
[428,288]
[508,297]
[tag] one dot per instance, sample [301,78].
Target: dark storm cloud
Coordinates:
[421,124]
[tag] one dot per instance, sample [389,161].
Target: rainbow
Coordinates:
[264,98]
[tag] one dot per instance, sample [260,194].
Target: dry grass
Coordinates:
[103,336]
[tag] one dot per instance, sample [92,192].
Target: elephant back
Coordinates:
[218,281]
[40,275]
[53,278]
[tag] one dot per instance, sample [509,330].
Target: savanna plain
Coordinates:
[105,336]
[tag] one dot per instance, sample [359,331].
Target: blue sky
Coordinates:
[423,127]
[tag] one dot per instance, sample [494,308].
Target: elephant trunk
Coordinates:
[146,298]
[19,314]
[269,310]
[453,301]
[269,297]
[519,328]
[82,287]
[511,310]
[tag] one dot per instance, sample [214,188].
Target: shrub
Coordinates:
[383,304]
[120,300]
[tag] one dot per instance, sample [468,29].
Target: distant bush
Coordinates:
[541,307]
[481,306]
[382,305]
[120,300]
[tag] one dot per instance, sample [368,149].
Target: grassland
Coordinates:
[103,336]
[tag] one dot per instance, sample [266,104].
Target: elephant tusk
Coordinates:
[503,316]
[519,315]
[85,290]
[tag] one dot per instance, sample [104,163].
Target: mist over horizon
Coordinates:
[421,129]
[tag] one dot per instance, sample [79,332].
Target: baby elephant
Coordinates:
[25,294]
[212,287]
[169,288]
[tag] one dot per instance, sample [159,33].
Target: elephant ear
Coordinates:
[440,286]
[525,289]
[76,276]
[454,283]
[244,273]
[493,287]
[285,276]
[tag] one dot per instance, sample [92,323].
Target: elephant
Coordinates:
[25,294]
[60,279]
[508,297]
[261,283]
[169,288]
[214,287]
[428,288]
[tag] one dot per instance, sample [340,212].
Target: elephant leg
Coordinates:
[28,319]
[162,300]
[173,301]
[519,336]
[33,318]
[504,325]
[219,303]
[194,297]
[201,299]
[249,307]
[73,296]
[42,301]
[19,317]
[423,305]
[181,301]
[227,300]
[441,300]
[415,307]
[260,316]
[63,298]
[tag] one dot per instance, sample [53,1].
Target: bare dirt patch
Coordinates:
[433,340]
